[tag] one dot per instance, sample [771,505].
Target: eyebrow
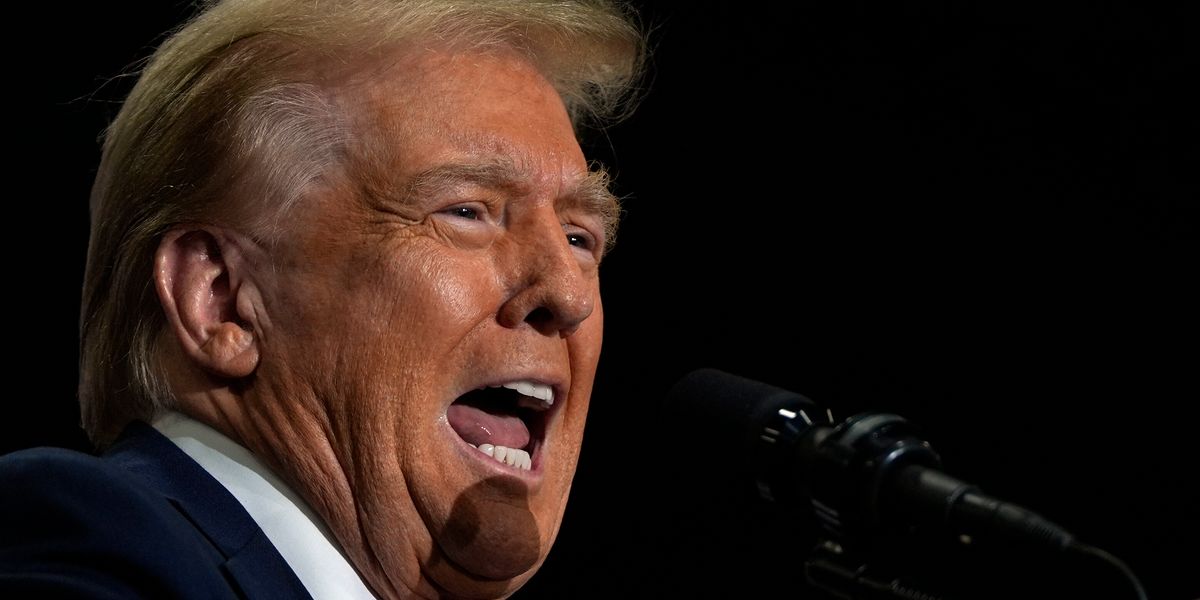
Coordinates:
[590,194]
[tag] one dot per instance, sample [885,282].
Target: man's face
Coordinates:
[458,250]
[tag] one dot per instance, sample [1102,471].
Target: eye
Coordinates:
[579,241]
[463,212]
[581,238]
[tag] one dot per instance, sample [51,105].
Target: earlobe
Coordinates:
[231,351]
[198,280]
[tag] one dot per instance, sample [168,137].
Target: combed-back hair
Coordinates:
[231,101]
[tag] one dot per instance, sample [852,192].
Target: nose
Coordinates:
[550,291]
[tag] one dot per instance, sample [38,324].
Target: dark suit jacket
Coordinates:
[144,520]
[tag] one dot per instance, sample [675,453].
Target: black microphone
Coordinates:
[867,474]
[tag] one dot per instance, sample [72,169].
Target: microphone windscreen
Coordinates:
[713,405]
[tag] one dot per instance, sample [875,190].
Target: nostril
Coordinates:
[551,302]
[540,317]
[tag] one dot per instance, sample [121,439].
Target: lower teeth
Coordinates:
[513,457]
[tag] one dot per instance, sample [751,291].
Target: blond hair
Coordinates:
[228,95]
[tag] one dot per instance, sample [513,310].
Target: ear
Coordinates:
[198,273]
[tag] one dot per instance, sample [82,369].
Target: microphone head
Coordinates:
[726,409]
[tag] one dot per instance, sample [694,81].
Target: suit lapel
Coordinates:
[251,561]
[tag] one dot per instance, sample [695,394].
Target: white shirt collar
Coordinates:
[295,530]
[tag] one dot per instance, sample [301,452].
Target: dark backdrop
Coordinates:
[980,217]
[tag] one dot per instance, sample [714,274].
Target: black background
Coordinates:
[979,216]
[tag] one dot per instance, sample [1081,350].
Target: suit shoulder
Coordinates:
[59,482]
[82,525]
[39,468]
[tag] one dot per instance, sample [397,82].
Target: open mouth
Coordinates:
[506,422]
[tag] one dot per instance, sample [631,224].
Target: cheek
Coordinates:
[461,290]
[428,304]
[430,279]
[585,344]
[417,294]
[370,340]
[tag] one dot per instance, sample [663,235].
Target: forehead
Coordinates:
[418,109]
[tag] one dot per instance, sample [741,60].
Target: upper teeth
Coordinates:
[533,390]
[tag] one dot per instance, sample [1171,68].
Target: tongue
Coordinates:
[483,424]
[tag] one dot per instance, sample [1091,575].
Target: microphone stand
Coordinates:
[831,569]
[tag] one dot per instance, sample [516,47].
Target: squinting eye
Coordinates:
[464,212]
